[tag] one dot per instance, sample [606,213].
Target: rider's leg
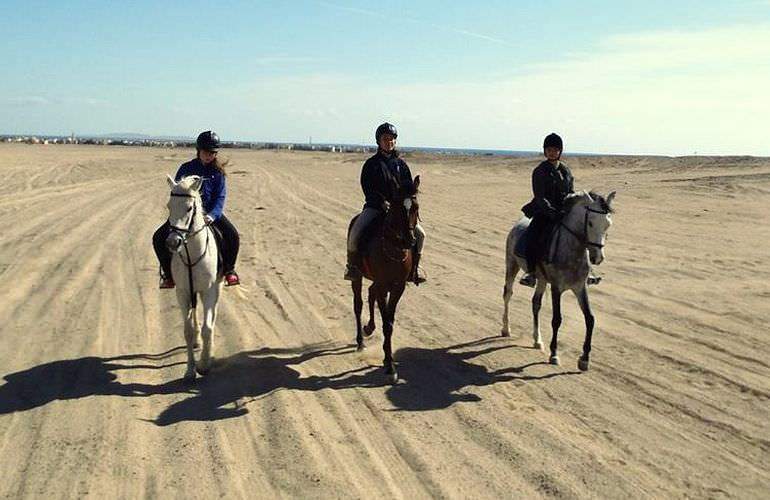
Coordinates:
[418,276]
[163,254]
[534,235]
[232,244]
[352,272]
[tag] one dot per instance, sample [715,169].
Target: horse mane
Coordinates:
[186,184]
[572,198]
[602,202]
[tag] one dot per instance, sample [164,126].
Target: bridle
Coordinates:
[386,228]
[584,237]
[185,234]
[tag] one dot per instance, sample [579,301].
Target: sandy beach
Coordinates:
[675,404]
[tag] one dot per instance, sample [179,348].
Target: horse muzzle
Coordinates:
[596,255]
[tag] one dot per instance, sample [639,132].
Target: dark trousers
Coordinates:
[230,245]
[537,234]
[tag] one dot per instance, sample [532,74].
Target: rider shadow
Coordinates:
[238,380]
[434,379]
[431,379]
[78,378]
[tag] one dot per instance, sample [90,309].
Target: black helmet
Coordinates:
[553,141]
[207,141]
[385,128]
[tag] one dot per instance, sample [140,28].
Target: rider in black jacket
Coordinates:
[380,177]
[552,181]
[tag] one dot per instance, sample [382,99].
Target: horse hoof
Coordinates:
[189,378]
[391,378]
[505,333]
[360,347]
[582,364]
[368,331]
[203,372]
[539,346]
[554,360]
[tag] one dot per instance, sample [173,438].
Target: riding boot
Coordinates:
[529,278]
[417,275]
[352,272]
[166,281]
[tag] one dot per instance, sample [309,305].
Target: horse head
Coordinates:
[403,215]
[589,218]
[185,212]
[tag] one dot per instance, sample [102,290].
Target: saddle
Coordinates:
[366,234]
[220,242]
[520,250]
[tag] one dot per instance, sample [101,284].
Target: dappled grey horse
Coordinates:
[578,238]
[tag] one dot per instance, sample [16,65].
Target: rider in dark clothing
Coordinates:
[213,192]
[552,181]
[381,176]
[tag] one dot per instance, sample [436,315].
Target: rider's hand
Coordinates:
[386,205]
[207,219]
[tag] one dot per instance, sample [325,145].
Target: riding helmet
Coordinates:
[385,128]
[552,140]
[207,141]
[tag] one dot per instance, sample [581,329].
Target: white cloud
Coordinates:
[265,60]
[417,22]
[656,93]
[26,101]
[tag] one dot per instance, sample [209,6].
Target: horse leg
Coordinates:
[511,270]
[369,328]
[555,323]
[585,306]
[210,303]
[537,301]
[358,305]
[190,334]
[391,376]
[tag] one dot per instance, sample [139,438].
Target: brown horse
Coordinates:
[387,261]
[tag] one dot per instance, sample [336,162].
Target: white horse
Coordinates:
[194,267]
[580,236]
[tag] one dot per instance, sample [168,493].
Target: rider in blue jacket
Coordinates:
[213,192]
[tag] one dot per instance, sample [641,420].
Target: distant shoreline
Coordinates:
[171,143]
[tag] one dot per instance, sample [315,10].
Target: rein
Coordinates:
[584,237]
[185,234]
[404,251]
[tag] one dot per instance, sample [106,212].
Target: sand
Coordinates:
[675,403]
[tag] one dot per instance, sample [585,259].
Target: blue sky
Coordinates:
[647,77]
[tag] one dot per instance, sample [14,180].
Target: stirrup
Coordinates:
[232,279]
[529,280]
[419,276]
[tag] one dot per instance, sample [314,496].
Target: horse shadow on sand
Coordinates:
[430,379]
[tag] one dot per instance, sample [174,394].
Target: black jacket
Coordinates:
[381,178]
[550,186]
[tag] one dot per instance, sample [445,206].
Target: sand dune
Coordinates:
[91,403]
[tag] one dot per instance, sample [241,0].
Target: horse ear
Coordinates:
[610,197]
[196,185]
[589,200]
[171,181]
[416,182]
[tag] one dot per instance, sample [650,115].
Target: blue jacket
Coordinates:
[213,190]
